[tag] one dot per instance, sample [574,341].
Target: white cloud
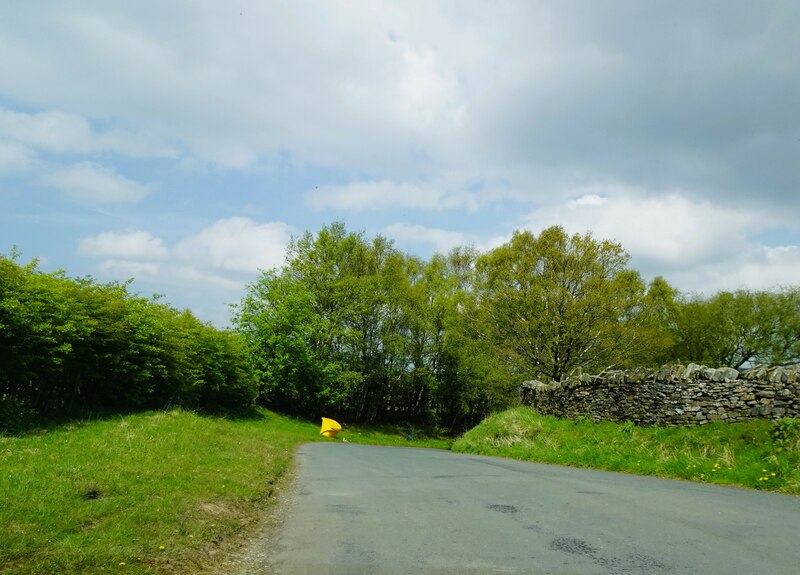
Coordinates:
[127,269]
[211,265]
[229,246]
[14,157]
[756,268]
[699,246]
[587,200]
[60,132]
[236,244]
[669,230]
[442,240]
[425,92]
[386,88]
[54,131]
[336,89]
[134,245]
[91,182]
[384,194]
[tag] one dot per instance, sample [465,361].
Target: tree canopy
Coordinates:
[553,303]
[70,345]
[352,327]
[739,328]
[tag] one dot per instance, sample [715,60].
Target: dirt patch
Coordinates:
[247,552]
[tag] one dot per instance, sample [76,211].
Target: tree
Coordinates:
[70,345]
[316,328]
[352,327]
[554,303]
[648,329]
[740,328]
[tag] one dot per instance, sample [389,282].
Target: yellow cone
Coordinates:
[330,427]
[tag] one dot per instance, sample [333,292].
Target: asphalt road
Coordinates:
[382,510]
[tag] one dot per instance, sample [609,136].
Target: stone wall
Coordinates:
[672,395]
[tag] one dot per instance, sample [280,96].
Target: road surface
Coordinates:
[383,510]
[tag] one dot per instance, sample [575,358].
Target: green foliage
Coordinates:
[351,327]
[739,328]
[554,303]
[786,434]
[756,454]
[71,345]
[15,416]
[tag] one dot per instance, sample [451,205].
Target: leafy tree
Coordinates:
[554,303]
[351,326]
[648,327]
[740,328]
[68,345]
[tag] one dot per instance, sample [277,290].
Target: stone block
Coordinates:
[778,375]
[691,370]
[725,374]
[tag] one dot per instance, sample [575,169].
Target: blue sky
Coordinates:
[183,143]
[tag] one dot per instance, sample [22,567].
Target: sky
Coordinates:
[184,143]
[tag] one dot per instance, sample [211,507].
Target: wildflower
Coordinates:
[773,475]
[161,547]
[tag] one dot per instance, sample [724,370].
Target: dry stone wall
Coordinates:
[672,395]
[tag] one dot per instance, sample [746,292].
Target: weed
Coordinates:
[786,433]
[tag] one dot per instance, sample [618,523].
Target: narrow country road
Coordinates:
[382,510]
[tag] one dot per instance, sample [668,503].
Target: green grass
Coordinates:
[744,454]
[396,436]
[157,492]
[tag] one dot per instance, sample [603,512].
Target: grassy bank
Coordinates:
[158,492]
[747,454]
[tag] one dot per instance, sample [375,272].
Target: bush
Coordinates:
[69,346]
[15,416]
[786,434]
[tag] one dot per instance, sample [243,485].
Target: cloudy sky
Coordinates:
[183,143]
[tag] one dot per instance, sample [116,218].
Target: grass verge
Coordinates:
[757,454]
[157,492]
[398,436]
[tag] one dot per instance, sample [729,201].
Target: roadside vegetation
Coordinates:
[70,346]
[352,327]
[403,350]
[154,492]
[759,454]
